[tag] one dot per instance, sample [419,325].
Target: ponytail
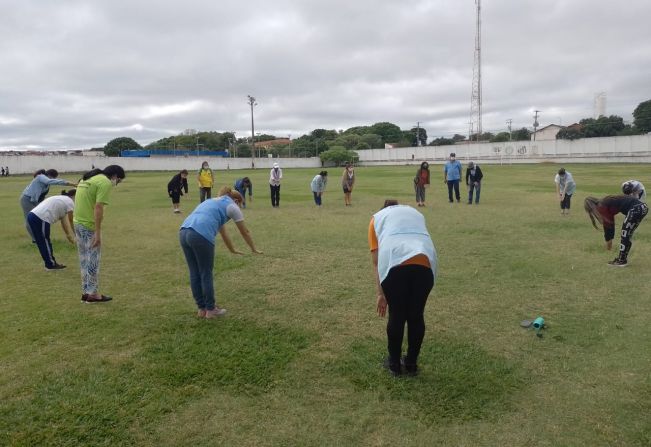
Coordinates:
[109,171]
[590,205]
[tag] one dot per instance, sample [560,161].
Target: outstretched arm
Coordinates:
[227,241]
[381,299]
[244,231]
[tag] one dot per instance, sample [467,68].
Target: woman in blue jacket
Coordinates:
[197,237]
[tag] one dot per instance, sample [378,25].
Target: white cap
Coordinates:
[276,165]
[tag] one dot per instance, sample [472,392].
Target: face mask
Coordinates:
[115,181]
[204,167]
[452,158]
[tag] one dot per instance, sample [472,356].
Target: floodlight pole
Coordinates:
[251,102]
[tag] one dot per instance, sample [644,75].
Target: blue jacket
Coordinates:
[452,170]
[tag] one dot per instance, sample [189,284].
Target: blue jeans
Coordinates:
[200,256]
[317,198]
[27,206]
[420,193]
[477,188]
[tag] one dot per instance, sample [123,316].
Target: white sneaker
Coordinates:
[216,312]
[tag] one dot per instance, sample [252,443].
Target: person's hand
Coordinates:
[609,245]
[426,185]
[257,252]
[71,240]
[381,305]
[96,241]
[445,182]
[250,198]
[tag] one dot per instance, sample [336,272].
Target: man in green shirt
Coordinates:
[93,193]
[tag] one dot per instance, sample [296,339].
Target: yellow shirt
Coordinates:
[205,178]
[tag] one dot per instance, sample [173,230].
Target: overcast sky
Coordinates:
[76,74]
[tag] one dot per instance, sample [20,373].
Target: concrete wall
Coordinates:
[26,164]
[632,149]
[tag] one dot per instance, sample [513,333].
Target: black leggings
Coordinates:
[406,289]
[565,203]
[632,221]
[275,195]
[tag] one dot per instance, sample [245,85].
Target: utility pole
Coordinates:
[535,123]
[417,133]
[476,95]
[251,102]
[508,123]
[289,137]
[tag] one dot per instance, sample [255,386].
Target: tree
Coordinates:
[389,132]
[570,133]
[501,137]
[117,145]
[418,133]
[521,134]
[441,141]
[338,155]
[456,137]
[604,126]
[642,116]
[374,141]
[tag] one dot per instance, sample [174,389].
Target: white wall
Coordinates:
[27,164]
[631,149]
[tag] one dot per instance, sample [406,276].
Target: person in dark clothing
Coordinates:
[604,211]
[241,185]
[175,188]
[473,181]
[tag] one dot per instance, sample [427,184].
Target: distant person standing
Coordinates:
[242,185]
[2,172]
[275,176]
[565,187]
[347,183]
[421,181]
[604,211]
[93,193]
[36,191]
[206,182]
[634,188]
[6,171]
[318,186]
[473,181]
[404,260]
[175,189]
[46,213]
[452,176]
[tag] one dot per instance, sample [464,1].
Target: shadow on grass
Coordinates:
[101,402]
[456,381]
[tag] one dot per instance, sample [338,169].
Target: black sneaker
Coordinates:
[55,267]
[394,368]
[93,299]
[410,368]
[617,263]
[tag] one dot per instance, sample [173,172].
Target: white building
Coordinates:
[546,133]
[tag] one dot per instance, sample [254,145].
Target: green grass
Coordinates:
[296,361]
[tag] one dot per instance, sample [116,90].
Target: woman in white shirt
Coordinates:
[40,218]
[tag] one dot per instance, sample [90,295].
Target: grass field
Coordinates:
[296,360]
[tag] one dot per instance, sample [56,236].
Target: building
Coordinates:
[546,133]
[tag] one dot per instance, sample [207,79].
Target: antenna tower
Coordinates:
[475,99]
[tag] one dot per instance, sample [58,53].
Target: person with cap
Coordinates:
[318,186]
[452,176]
[634,188]
[565,187]
[275,176]
[404,264]
[473,181]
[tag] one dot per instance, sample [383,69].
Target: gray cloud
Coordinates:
[79,73]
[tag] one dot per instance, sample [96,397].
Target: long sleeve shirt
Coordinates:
[40,186]
[319,183]
[241,187]
[177,184]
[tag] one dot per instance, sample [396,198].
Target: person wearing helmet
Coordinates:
[634,188]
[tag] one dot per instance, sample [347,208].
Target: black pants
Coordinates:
[204,193]
[632,221]
[565,203]
[275,195]
[453,184]
[406,289]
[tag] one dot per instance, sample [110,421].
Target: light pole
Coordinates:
[251,102]
[417,133]
[535,123]
[289,137]
[508,123]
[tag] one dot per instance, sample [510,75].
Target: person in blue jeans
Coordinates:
[473,181]
[452,176]
[318,186]
[241,185]
[197,237]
